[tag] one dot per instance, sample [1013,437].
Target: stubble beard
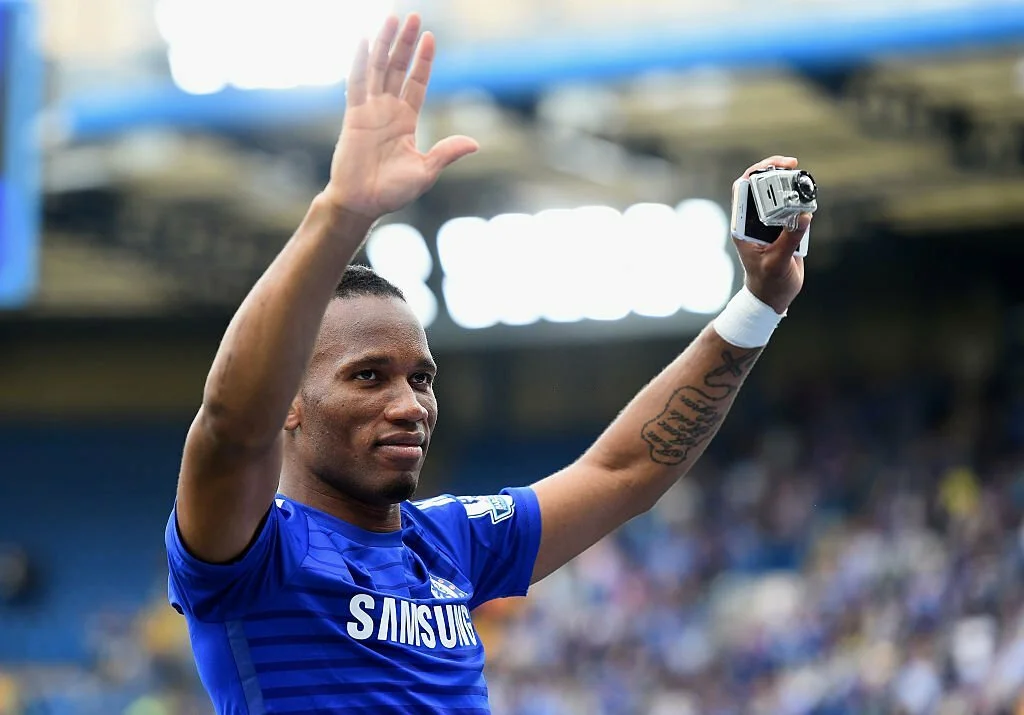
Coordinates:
[379,489]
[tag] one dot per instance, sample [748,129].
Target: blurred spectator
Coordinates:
[15,574]
[9,700]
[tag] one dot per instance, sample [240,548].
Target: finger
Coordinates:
[789,241]
[448,151]
[401,55]
[415,90]
[379,56]
[778,161]
[355,88]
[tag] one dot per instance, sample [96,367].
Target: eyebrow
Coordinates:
[385,360]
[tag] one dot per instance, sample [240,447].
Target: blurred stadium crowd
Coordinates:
[847,546]
[867,559]
[864,556]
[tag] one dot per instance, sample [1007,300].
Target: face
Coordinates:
[364,416]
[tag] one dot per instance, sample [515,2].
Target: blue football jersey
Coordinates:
[319,616]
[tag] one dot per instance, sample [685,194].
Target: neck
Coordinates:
[314,492]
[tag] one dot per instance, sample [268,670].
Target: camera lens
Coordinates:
[806,189]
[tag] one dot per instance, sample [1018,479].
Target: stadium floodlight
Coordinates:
[398,252]
[271,44]
[592,263]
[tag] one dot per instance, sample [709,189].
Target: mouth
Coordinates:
[405,453]
[406,448]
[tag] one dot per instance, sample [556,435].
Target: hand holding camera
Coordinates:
[771,214]
[770,199]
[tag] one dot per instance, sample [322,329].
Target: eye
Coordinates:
[423,378]
[365,375]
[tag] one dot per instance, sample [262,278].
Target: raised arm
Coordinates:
[668,425]
[232,456]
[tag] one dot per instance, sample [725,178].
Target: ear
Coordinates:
[294,419]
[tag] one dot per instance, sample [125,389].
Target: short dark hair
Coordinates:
[358,280]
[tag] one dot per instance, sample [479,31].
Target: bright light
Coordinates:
[467,305]
[422,301]
[398,253]
[710,269]
[707,222]
[588,263]
[192,76]
[458,244]
[269,44]
[514,249]
[599,260]
[465,248]
[656,236]
[563,246]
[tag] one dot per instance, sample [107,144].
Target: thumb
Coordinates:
[789,241]
[449,150]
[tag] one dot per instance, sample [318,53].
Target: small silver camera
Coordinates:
[781,195]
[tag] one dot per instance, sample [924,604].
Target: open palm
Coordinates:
[377,167]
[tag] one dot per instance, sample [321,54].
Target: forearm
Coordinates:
[669,424]
[261,359]
[664,430]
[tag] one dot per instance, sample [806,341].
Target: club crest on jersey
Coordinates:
[498,506]
[441,588]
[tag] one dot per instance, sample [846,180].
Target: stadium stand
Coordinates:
[865,556]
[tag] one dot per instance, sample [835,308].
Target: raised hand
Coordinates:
[773,273]
[376,167]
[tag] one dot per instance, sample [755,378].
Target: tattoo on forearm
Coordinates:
[693,414]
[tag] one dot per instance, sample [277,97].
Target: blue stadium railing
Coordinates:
[516,69]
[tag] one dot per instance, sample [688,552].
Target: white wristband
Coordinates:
[746,322]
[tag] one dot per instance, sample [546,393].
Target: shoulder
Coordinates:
[284,525]
[501,511]
[219,592]
[452,511]
[451,508]
[495,536]
[441,517]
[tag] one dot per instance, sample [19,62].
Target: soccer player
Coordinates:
[309,581]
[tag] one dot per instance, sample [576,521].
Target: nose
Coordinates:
[406,407]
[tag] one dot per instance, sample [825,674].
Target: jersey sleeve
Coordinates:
[219,592]
[496,539]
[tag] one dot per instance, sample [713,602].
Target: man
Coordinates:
[310,583]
